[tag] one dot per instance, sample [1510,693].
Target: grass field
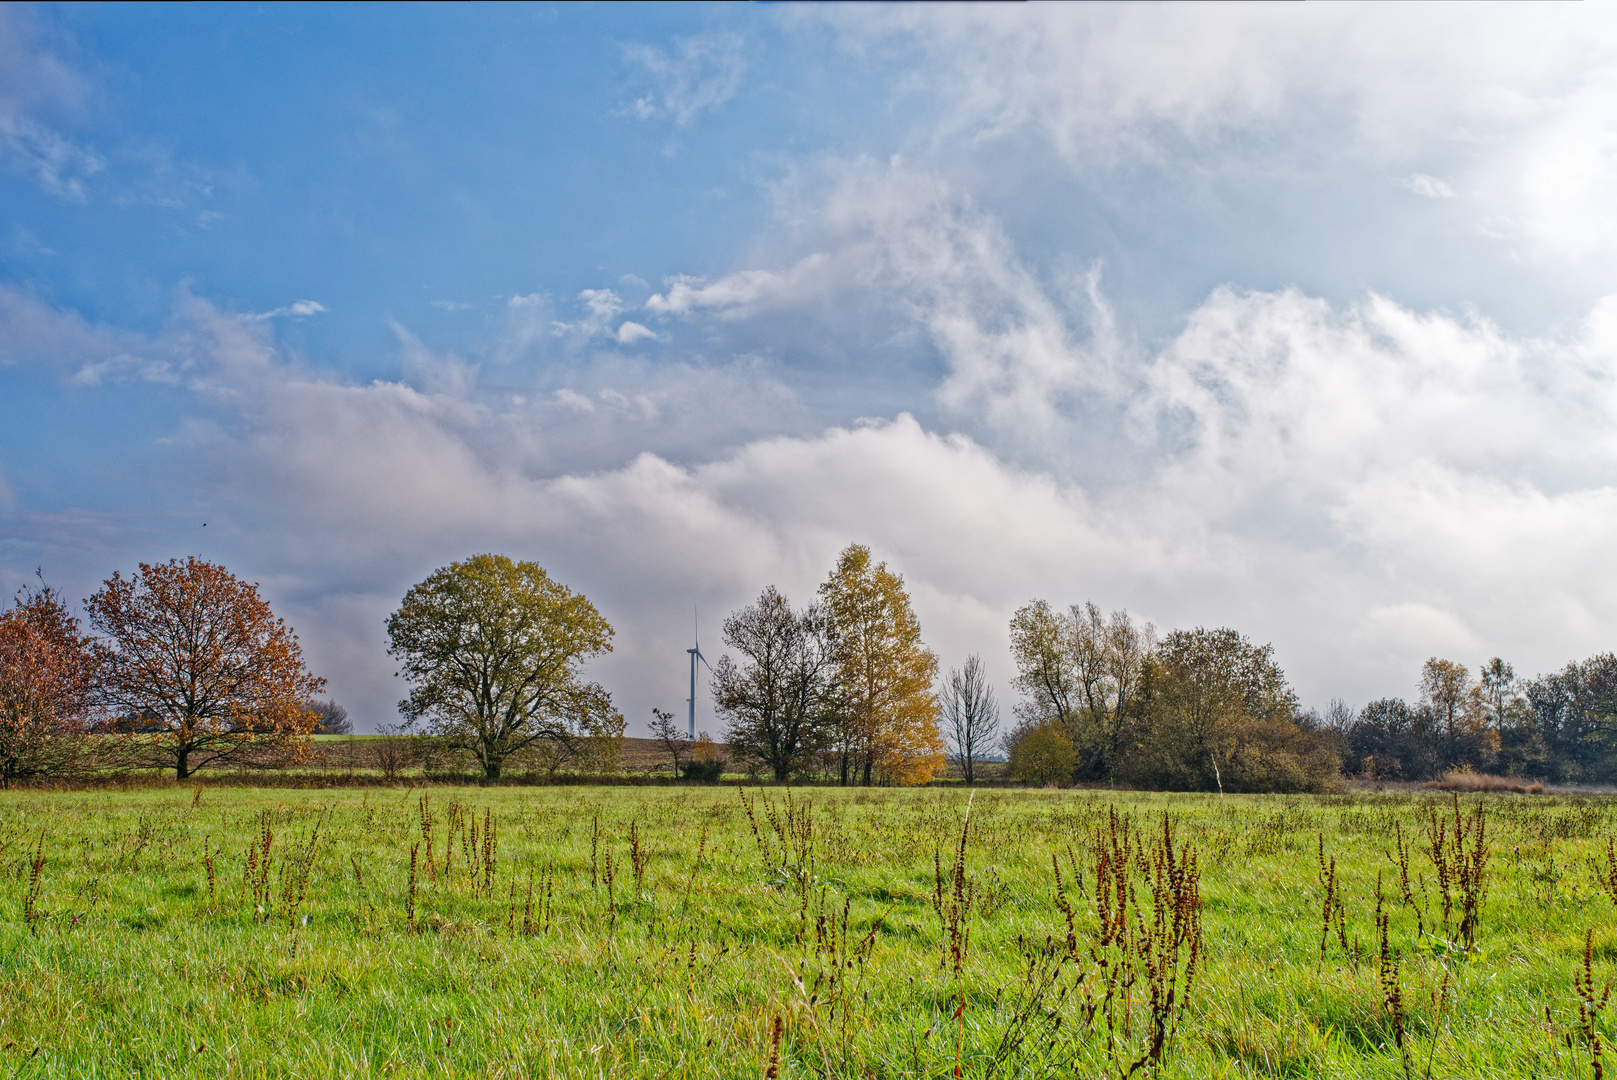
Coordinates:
[599,931]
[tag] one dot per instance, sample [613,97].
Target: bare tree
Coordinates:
[330,718]
[971,713]
[665,731]
[780,702]
[1128,646]
[395,751]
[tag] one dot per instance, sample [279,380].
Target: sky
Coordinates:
[1300,319]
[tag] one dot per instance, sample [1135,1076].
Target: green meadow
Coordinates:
[706,931]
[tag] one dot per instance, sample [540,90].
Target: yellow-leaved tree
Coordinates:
[889,729]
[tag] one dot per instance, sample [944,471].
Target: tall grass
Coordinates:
[833,933]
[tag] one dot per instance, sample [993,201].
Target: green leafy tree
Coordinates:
[493,650]
[1217,713]
[1041,640]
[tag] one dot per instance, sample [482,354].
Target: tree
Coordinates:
[1446,687]
[1457,703]
[780,701]
[705,763]
[196,656]
[1129,648]
[330,718]
[889,716]
[1574,713]
[1220,715]
[665,731]
[1081,671]
[48,677]
[494,650]
[1500,693]
[1388,740]
[1045,674]
[971,713]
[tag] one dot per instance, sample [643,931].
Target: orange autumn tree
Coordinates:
[889,715]
[48,674]
[194,657]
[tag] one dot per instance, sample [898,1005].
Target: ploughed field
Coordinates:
[697,931]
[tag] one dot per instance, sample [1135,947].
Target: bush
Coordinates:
[706,771]
[1044,756]
[705,763]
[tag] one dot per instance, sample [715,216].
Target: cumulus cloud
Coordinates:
[1017,348]
[631,332]
[1365,486]
[733,294]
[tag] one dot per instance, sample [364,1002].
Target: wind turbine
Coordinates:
[696,654]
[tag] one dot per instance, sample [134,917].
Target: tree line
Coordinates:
[184,663]
[1103,698]
[187,662]
[1560,726]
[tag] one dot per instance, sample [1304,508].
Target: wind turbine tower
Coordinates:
[696,654]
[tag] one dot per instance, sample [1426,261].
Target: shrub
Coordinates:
[1044,755]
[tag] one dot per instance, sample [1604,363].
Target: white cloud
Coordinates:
[906,241]
[631,332]
[34,83]
[575,401]
[1429,187]
[530,323]
[1364,486]
[737,293]
[700,72]
[1517,105]
[299,309]
[603,305]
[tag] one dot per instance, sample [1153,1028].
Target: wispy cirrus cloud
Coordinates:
[298,309]
[694,74]
[36,84]
[1429,187]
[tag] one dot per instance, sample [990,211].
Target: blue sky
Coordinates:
[1292,319]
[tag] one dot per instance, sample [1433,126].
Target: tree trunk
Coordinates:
[182,763]
[491,768]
